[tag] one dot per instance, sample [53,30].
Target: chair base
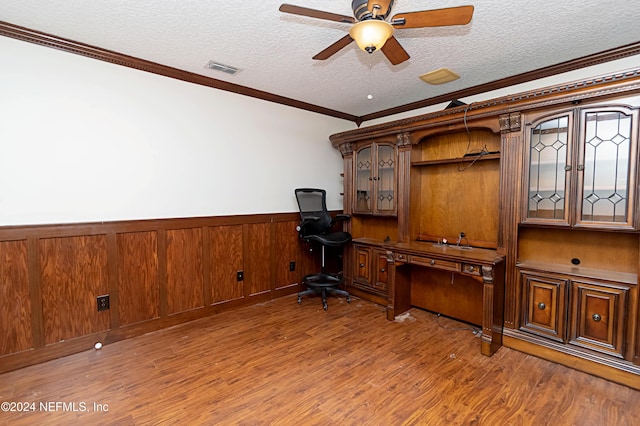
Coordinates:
[322,284]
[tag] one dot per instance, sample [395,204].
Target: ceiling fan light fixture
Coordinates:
[372,34]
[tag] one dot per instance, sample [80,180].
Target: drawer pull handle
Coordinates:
[471,268]
[541,306]
[433,262]
[596,317]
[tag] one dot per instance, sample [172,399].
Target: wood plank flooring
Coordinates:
[284,363]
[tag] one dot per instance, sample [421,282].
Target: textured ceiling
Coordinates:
[274,50]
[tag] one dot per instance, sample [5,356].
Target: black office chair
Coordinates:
[315,227]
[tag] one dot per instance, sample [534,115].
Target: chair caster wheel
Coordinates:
[325,307]
[348,299]
[299,300]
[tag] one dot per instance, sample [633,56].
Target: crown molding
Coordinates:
[48,40]
[70,46]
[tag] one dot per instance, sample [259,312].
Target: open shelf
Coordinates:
[466,159]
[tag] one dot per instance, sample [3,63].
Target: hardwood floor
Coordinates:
[284,363]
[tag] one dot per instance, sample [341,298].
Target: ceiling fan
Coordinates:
[372,31]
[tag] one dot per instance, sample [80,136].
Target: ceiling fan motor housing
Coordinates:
[361,10]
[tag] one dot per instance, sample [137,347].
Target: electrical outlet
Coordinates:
[240,275]
[292,266]
[103,302]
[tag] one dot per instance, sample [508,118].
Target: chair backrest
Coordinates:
[312,202]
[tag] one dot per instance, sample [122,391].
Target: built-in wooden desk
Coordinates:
[482,265]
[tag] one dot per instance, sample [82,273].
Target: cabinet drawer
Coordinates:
[469,269]
[446,265]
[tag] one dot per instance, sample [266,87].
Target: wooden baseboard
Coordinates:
[618,371]
[33,356]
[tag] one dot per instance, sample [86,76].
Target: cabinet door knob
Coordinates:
[362,265]
[596,317]
[433,262]
[471,269]
[580,167]
[541,306]
[381,269]
[567,167]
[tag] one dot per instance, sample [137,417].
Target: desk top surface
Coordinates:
[425,248]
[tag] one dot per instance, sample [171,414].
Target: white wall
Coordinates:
[83,141]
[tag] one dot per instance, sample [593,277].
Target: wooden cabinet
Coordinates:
[599,316]
[371,269]
[544,307]
[581,167]
[375,179]
[562,193]
[589,313]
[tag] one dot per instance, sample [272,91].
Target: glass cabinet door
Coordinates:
[605,168]
[363,180]
[385,179]
[549,156]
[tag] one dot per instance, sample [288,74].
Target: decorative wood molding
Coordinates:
[574,92]
[510,122]
[571,65]
[48,40]
[404,140]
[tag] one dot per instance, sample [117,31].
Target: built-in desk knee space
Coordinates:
[483,267]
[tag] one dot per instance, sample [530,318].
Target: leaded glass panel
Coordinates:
[547,164]
[363,177]
[386,178]
[606,156]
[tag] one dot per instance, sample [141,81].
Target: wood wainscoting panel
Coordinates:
[287,249]
[257,259]
[73,274]
[185,276]
[158,273]
[225,261]
[138,284]
[15,303]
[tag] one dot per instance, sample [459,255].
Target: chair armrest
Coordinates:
[340,218]
[307,220]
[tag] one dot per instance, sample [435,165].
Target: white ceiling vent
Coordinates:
[217,66]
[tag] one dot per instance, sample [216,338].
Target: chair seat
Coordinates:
[334,239]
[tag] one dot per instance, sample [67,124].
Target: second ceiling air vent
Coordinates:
[217,66]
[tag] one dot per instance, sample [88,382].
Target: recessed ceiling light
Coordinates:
[369,97]
[439,76]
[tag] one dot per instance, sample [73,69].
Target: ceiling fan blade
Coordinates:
[394,52]
[334,48]
[434,18]
[385,6]
[313,13]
